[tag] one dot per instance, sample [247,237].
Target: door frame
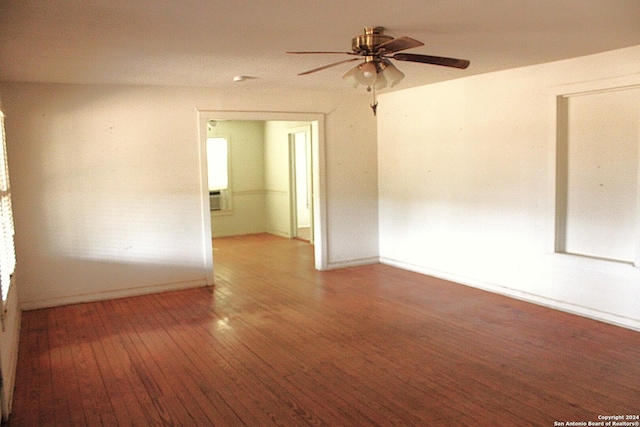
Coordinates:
[318,173]
[307,129]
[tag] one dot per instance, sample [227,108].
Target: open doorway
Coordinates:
[277,186]
[301,183]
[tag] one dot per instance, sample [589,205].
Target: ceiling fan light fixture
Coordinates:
[351,76]
[377,71]
[381,81]
[368,74]
[392,74]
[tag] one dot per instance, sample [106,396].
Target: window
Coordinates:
[218,173]
[7,248]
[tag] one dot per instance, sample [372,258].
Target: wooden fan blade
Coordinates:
[398,44]
[322,52]
[435,60]
[329,66]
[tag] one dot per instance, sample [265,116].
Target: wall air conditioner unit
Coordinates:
[215,200]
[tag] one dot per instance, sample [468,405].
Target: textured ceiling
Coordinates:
[207,43]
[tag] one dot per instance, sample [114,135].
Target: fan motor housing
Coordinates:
[366,43]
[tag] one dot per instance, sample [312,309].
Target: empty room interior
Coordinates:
[276,213]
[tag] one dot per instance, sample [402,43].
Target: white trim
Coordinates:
[107,295]
[320,231]
[587,312]
[278,233]
[307,129]
[275,192]
[205,214]
[353,263]
[249,193]
[319,183]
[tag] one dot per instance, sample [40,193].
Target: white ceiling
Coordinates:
[207,43]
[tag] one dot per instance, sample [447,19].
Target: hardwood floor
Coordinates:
[277,343]
[304,233]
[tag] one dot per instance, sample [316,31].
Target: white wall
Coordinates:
[246,144]
[351,163]
[464,188]
[277,177]
[601,151]
[302,175]
[107,183]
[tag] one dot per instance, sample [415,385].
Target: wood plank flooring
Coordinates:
[277,343]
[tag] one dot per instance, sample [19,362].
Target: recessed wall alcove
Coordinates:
[595,171]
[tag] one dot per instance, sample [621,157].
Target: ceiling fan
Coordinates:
[376,49]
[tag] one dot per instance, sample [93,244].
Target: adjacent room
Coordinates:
[376,213]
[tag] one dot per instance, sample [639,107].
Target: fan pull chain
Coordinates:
[374,105]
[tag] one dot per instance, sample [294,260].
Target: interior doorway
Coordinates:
[301,183]
[312,149]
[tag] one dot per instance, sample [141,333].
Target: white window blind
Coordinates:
[7,247]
